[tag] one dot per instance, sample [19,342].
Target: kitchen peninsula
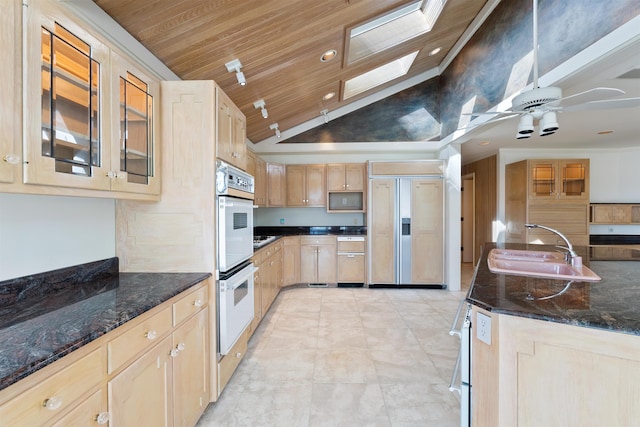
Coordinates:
[553,358]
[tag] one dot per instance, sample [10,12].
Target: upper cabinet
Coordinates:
[346,177]
[89,111]
[559,179]
[306,185]
[276,184]
[231,132]
[10,105]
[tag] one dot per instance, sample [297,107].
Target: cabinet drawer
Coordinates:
[350,246]
[318,240]
[141,336]
[189,305]
[55,394]
[229,363]
[86,413]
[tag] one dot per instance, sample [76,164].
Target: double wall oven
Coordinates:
[234,202]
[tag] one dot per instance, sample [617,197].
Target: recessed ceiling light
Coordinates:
[435,51]
[328,96]
[605,132]
[485,143]
[328,55]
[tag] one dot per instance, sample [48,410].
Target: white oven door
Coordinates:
[235,231]
[235,300]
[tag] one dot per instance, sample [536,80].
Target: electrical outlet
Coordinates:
[483,328]
[281,220]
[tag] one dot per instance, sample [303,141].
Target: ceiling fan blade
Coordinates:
[503,116]
[605,104]
[490,113]
[591,95]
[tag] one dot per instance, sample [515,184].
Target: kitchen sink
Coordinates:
[550,265]
[518,254]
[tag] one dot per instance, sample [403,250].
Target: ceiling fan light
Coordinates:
[525,126]
[548,123]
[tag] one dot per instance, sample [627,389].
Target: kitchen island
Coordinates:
[551,358]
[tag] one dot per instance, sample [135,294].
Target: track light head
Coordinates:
[274,126]
[261,105]
[235,66]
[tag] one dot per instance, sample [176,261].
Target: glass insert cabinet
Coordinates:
[96,108]
[558,179]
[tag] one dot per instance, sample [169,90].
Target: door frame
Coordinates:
[468,197]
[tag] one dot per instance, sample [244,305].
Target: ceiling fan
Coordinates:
[540,104]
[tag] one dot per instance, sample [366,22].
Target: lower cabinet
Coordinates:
[291,260]
[144,373]
[267,280]
[318,259]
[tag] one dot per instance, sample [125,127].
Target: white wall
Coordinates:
[43,233]
[614,174]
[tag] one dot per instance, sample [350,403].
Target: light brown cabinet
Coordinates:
[532,364]
[554,193]
[351,259]
[318,259]
[291,261]
[231,134]
[10,94]
[268,279]
[615,213]
[558,179]
[97,128]
[261,180]
[306,185]
[276,185]
[145,372]
[346,177]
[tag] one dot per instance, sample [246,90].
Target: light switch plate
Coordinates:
[483,328]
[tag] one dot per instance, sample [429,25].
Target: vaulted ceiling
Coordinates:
[279,44]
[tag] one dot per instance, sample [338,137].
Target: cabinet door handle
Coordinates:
[151,335]
[102,418]
[53,403]
[12,159]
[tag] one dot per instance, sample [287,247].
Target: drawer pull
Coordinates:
[102,418]
[238,355]
[151,335]
[53,403]
[198,303]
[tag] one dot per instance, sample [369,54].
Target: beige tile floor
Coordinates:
[347,357]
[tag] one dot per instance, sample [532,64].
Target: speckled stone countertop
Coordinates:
[612,303]
[348,230]
[46,316]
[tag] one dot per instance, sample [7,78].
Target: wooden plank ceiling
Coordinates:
[279,43]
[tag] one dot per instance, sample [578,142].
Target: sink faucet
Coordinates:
[571,254]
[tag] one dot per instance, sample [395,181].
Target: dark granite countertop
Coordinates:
[46,316]
[611,304]
[354,230]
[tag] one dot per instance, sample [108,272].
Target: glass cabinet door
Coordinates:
[70,95]
[543,180]
[136,114]
[574,179]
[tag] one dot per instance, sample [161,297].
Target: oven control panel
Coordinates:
[230,177]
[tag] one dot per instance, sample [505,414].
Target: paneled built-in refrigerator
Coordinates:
[405,226]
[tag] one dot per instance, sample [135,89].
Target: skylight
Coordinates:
[393,28]
[378,76]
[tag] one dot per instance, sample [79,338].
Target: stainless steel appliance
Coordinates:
[461,377]
[234,232]
[235,305]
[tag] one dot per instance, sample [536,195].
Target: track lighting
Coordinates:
[261,105]
[235,66]
[325,116]
[274,126]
